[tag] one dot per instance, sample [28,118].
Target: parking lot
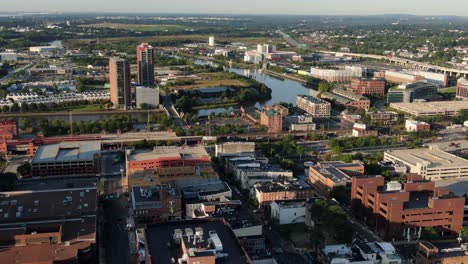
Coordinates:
[112,164]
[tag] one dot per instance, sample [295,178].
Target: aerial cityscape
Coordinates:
[263,133]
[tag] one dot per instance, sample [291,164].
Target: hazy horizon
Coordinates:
[291,7]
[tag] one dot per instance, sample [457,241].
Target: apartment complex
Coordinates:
[67,159]
[431,164]
[400,211]
[145,65]
[119,78]
[407,93]
[267,192]
[349,99]
[368,86]
[337,75]
[462,88]
[427,109]
[314,106]
[272,118]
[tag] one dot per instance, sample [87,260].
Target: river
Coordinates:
[283,90]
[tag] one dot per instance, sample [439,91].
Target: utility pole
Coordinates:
[71,123]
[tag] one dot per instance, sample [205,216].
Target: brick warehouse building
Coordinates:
[368,86]
[399,211]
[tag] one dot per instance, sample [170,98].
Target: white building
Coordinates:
[211,41]
[8,56]
[288,212]
[147,95]
[337,75]
[41,49]
[367,253]
[253,57]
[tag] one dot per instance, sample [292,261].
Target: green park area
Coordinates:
[137,27]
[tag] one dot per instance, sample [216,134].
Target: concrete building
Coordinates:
[253,57]
[368,86]
[399,211]
[148,96]
[301,123]
[326,176]
[80,158]
[314,106]
[119,78]
[462,88]
[348,99]
[8,56]
[361,130]
[428,109]
[44,49]
[288,211]
[360,253]
[145,65]
[416,126]
[267,192]
[433,253]
[49,226]
[211,41]
[156,204]
[403,77]
[431,164]
[407,93]
[340,75]
[383,118]
[227,148]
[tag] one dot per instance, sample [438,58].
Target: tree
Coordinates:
[15,108]
[7,181]
[24,169]
[300,151]
[429,233]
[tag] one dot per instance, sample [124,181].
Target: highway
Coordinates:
[6,78]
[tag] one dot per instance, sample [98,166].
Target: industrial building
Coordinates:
[314,106]
[348,99]
[67,159]
[400,211]
[407,93]
[431,164]
[403,77]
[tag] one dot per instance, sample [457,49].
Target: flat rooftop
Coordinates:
[455,145]
[67,151]
[176,152]
[281,186]
[313,99]
[418,200]
[332,173]
[428,107]
[434,158]
[205,189]
[291,203]
[158,237]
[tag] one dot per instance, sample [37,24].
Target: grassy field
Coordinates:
[448,90]
[83,108]
[137,27]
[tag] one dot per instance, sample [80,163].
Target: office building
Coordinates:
[155,204]
[416,126]
[211,41]
[314,106]
[147,97]
[119,78]
[267,192]
[432,164]
[326,176]
[462,88]
[348,99]
[285,212]
[368,86]
[80,158]
[360,252]
[400,211]
[434,253]
[407,93]
[427,109]
[49,226]
[145,65]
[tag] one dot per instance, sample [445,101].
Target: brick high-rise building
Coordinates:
[119,78]
[462,88]
[399,211]
[145,64]
[366,86]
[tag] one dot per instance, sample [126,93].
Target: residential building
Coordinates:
[407,93]
[431,164]
[462,88]
[402,77]
[383,118]
[119,78]
[326,176]
[145,65]
[399,211]
[368,86]
[337,75]
[155,204]
[416,126]
[147,96]
[314,106]
[285,212]
[270,191]
[360,253]
[349,99]
[300,123]
[80,158]
[272,118]
[49,226]
[428,109]
[434,253]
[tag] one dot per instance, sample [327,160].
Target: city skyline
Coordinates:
[331,7]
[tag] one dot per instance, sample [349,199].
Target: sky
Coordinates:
[307,7]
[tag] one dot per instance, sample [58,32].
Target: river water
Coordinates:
[283,90]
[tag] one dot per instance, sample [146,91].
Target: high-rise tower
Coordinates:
[145,64]
[119,78]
